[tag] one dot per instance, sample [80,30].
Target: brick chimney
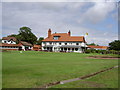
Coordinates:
[49,32]
[69,33]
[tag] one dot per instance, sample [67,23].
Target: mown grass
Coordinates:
[32,69]
[107,79]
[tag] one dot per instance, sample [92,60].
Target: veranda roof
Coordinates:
[65,46]
[25,43]
[70,46]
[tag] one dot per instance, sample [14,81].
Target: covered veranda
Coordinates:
[64,48]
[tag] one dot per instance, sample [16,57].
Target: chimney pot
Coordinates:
[69,33]
[49,32]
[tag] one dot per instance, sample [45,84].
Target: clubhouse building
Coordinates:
[63,42]
[55,42]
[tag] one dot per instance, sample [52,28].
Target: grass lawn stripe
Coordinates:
[31,69]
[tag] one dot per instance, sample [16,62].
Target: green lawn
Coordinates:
[32,69]
[107,79]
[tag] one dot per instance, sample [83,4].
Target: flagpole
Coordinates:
[86,34]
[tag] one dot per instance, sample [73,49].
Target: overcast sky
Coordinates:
[99,19]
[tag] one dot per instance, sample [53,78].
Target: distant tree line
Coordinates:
[25,34]
[114,48]
[93,44]
[102,51]
[114,45]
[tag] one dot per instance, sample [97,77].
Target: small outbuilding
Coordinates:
[36,47]
[97,47]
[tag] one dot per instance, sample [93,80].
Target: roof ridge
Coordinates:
[60,33]
[77,36]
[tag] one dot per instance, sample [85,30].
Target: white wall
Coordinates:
[63,43]
[8,42]
[23,47]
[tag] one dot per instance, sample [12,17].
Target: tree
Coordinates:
[40,40]
[25,34]
[0,40]
[12,35]
[115,45]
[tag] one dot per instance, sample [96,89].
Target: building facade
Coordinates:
[9,43]
[9,40]
[63,42]
[36,48]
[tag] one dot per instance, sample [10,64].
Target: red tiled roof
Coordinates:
[9,38]
[5,44]
[100,47]
[20,44]
[65,37]
[25,43]
[38,46]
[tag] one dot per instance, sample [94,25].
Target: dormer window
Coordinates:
[56,37]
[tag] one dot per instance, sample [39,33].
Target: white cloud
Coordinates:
[98,12]
[60,17]
[59,0]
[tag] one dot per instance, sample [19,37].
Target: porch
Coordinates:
[64,48]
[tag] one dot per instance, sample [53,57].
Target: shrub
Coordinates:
[4,50]
[90,51]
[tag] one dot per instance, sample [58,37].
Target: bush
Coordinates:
[87,51]
[90,51]
[4,50]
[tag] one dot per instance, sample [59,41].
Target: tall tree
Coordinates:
[25,34]
[40,40]
[115,45]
